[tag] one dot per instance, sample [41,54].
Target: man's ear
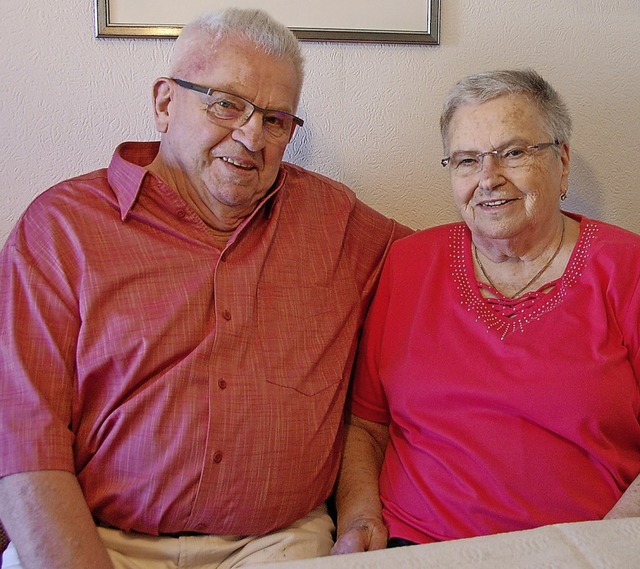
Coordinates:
[162,95]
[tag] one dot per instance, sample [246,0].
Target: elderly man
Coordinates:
[178,329]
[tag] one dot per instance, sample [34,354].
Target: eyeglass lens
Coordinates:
[235,112]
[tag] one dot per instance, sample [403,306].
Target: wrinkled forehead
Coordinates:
[492,123]
[201,53]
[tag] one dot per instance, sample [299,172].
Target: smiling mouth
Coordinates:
[236,163]
[496,203]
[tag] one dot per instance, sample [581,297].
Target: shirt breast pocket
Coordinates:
[307,335]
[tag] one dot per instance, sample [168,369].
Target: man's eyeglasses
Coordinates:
[232,111]
[512,156]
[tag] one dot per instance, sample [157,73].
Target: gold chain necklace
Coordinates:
[535,277]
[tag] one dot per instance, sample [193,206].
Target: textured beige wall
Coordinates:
[67,99]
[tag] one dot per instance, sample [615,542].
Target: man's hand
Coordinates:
[364,534]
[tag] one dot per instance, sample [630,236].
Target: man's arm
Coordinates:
[360,525]
[49,523]
[628,506]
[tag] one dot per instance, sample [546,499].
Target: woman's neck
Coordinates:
[513,269]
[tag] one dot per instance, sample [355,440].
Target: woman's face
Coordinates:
[500,202]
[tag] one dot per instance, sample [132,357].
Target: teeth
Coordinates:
[232,161]
[495,203]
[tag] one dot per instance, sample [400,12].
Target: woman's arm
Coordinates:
[48,520]
[360,525]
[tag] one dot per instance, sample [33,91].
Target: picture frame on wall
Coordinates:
[369,21]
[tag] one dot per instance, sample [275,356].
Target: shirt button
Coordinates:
[217,457]
[222,384]
[200,527]
[226,315]
[181,213]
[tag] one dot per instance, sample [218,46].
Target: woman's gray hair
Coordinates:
[256,26]
[482,87]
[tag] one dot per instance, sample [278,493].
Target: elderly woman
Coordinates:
[497,382]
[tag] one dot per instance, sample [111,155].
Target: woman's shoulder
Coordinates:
[608,235]
[427,248]
[434,234]
[607,253]
[431,238]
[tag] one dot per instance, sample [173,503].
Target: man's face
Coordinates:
[222,172]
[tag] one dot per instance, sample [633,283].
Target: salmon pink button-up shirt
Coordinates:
[188,388]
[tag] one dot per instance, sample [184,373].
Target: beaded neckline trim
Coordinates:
[470,296]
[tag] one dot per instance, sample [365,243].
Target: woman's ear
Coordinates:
[565,157]
[162,95]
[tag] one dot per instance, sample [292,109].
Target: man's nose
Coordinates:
[251,133]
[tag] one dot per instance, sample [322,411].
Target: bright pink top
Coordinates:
[189,389]
[497,423]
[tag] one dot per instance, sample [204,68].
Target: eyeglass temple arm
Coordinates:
[193,86]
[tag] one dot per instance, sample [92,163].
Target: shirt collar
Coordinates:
[127,172]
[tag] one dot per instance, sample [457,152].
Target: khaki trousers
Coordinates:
[309,537]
